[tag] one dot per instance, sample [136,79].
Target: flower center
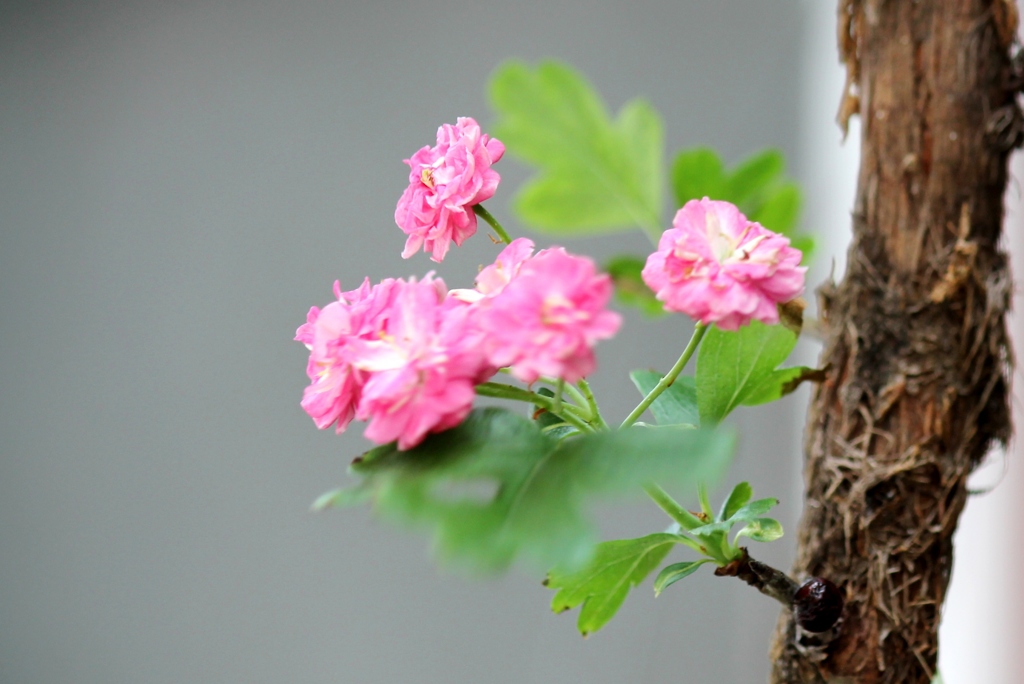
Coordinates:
[722,246]
[557,310]
[745,251]
[728,249]
[427,176]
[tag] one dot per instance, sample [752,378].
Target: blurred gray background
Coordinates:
[179,182]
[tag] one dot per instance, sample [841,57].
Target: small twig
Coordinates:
[766,579]
[817,604]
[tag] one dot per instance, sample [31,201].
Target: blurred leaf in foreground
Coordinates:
[496,489]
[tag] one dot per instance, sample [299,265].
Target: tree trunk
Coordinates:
[918,359]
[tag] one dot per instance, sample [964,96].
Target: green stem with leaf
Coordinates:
[572,415]
[666,382]
[559,389]
[588,398]
[577,396]
[686,519]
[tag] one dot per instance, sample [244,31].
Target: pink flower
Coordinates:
[335,387]
[545,319]
[401,355]
[718,267]
[445,181]
[492,279]
[423,369]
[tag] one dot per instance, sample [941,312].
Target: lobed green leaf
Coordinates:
[594,174]
[603,584]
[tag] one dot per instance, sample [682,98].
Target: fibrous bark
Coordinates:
[917,356]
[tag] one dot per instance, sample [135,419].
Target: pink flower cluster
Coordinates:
[719,267]
[406,355]
[400,354]
[445,181]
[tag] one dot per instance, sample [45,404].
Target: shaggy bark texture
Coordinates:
[917,357]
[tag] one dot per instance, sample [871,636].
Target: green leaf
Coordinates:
[699,173]
[675,572]
[762,530]
[496,488]
[805,243]
[782,215]
[754,509]
[713,539]
[594,174]
[602,585]
[749,181]
[752,185]
[677,405]
[739,496]
[780,383]
[560,430]
[732,366]
[715,544]
[630,288]
[713,528]
[336,498]
[781,210]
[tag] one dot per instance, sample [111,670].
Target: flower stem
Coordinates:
[570,389]
[666,382]
[577,397]
[588,397]
[479,210]
[567,413]
[685,518]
